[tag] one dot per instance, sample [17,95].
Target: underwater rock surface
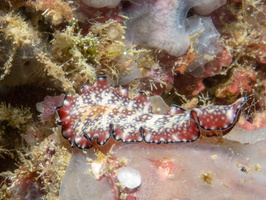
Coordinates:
[179,171]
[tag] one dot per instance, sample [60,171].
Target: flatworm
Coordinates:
[101,112]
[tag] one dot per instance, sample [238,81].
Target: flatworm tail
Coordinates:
[219,118]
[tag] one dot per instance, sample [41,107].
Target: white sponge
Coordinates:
[205,41]
[101,3]
[161,23]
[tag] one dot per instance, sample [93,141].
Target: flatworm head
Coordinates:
[66,120]
[101,112]
[97,111]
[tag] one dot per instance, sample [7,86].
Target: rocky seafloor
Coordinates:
[190,53]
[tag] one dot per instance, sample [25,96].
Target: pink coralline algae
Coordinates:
[101,112]
[258,121]
[241,79]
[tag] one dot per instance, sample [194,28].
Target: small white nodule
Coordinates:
[129,177]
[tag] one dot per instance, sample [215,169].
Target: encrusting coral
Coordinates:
[50,47]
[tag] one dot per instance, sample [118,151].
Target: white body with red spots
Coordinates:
[101,112]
